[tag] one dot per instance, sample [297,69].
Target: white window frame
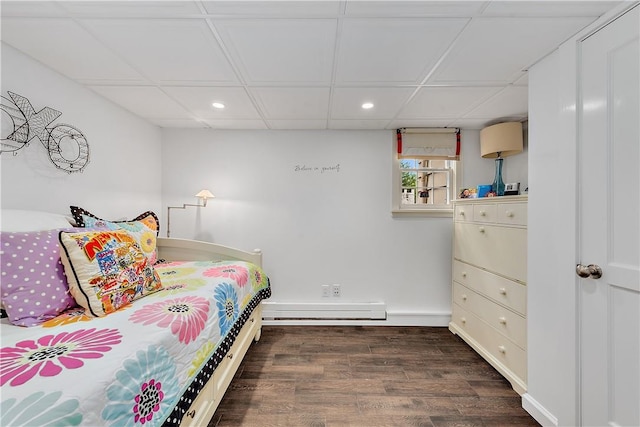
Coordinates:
[443,210]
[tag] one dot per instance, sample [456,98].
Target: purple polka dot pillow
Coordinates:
[33,286]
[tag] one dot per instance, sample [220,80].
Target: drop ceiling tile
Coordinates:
[357,124]
[263,8]
[413,8]
[511,101]
[180,123]
[148,102]
[549,8]
[198,101]
[166,51]
[467,123]
[522,81]
[442,102]
[347,102]
[292,103]
[496,50]
[281,50]
[132,9]
[237,124]
[32,8]
[400,51]
[297,124]
[163,61]
[66,47]
[420,123]
[470,123]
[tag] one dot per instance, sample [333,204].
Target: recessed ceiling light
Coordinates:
[218,105]
[367,105]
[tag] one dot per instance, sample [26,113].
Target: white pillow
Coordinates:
[24,220]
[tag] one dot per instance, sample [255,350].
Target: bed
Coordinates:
[164,359]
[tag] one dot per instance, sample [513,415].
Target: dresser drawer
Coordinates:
[512,213]
[504,353]
[485,213]
[502,250]
[507,292]
[463,213]
[508,323]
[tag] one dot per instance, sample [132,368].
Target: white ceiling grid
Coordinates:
[301,64]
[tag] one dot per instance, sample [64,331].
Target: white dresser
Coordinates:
[489,282]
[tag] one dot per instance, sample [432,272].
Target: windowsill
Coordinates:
[426,213]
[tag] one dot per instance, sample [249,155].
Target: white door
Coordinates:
[609,194]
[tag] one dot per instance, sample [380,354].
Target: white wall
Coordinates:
[122,178]
[477,171]
[552,348]
[552,357]
[314,228]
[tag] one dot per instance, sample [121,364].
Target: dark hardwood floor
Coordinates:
[367,377]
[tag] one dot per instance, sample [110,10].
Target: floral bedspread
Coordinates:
[141,365]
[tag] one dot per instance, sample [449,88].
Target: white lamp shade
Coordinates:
[503,139]
[205,194]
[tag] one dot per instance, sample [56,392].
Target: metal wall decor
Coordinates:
[67,146]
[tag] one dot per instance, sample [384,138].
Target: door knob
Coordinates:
[591,270]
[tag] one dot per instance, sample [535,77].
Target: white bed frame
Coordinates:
[205,405]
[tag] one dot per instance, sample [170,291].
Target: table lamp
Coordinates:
[499,141]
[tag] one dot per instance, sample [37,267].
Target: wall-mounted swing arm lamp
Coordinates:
[203,195]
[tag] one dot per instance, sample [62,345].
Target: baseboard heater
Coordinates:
[324,311]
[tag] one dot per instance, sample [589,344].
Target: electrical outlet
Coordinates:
[336,290]
[326,291]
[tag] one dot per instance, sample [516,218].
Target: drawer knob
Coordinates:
[191,413]
[464,274]
[481,229]
[503,291]
[464,297]
[502,320]
[483,213]
[510,214]
[461,213]
[502,349]
[230,356]
[463,320]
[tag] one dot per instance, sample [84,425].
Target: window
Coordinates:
[424,175]
[426,182]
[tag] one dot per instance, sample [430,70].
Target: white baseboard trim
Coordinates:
[538,412]
[404,318]
[393,319]
[273,310]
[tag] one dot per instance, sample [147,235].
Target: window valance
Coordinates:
[428,143]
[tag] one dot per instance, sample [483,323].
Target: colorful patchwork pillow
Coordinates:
[33,286]
[106,270]
[144,228]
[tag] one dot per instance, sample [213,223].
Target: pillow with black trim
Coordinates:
[149,218]
[106,270]
[144,228]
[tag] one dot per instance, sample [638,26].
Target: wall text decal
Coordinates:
[67,146]
[317,169]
